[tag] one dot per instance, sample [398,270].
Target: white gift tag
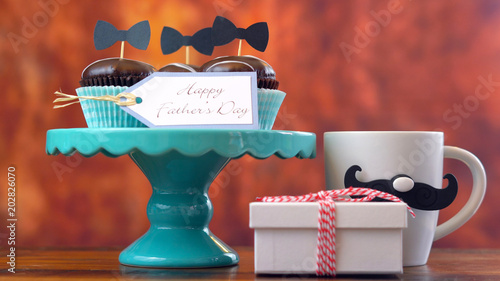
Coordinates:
[197,100]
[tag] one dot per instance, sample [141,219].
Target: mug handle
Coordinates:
[476,197]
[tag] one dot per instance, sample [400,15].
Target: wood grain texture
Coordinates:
[102,264]
[419,69]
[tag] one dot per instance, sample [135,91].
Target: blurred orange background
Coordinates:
[345,65]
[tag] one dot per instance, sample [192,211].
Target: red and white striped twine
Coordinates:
[325,252]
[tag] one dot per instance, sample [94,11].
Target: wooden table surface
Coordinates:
[102,264]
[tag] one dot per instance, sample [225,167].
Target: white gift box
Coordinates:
[368,237]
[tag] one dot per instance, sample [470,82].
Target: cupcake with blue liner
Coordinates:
[269,104]
[110,77]
[268,95]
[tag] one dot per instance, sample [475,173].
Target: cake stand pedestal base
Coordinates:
[178,248]
[179,211]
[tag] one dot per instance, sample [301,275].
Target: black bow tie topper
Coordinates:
[224,32]
[221,33]
[172,40]
[105,35]
[417,195]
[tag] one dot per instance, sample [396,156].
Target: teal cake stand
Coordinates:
[180,164]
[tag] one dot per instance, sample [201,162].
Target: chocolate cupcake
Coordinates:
[115,72]
[110,76]
[266,77]
[268,95]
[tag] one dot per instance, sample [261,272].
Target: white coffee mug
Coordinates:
[419,155]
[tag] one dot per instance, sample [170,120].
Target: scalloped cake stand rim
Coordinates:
[114,142]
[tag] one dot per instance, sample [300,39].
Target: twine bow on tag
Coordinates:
[325,252]
[122,99]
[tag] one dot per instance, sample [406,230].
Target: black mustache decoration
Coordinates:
[105,35]
[224,31]
[172,40]
[417,195]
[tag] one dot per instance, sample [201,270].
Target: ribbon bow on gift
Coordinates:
[105,35]
[325,256]
[224,31]
[172,40]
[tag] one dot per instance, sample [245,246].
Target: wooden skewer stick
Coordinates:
[239,48]
[122,49]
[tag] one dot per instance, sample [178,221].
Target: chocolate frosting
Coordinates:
[115,72]
[230,66]
[179,67]
[266,77]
